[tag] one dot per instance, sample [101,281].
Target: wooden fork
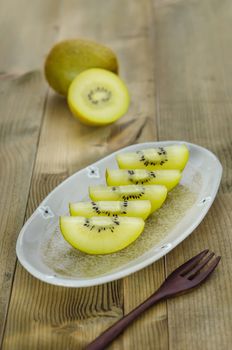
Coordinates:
[187,276]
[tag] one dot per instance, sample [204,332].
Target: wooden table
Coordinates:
[176,58]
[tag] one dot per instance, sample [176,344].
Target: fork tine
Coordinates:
[188,265]
[198,267]
[203,275]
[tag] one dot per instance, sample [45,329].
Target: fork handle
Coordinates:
[111,333]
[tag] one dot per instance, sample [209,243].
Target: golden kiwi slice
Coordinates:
[98,97]
[111,208]
[156,194]
[119,177]
[100,235]
[170,157]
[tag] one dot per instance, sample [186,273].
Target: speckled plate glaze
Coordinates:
[43,252]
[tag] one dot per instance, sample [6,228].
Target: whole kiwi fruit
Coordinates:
[68,58]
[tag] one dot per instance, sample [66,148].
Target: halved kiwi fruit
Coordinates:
[69,58]
[98,97]
[168,178]
[100,235]
[111,208]
[170,157]
[155,193]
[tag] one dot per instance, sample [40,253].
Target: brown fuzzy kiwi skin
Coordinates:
[68,58]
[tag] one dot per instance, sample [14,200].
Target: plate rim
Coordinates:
[78,283]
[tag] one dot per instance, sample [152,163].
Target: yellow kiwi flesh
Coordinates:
[170,157]
[111,208]
[98,97]
[121,177]
[100,235]
[156,194]
[69,58]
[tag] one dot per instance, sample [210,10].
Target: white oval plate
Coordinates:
[44,253]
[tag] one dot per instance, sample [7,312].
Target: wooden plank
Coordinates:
[28,29]
[42,316]
[22,98]
[193,77]
[19,129]
[150,331]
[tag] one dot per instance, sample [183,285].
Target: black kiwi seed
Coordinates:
[126,197]
[98,210]
[115,222]
[132,177]
[86,223]
[161,152]
[94,99]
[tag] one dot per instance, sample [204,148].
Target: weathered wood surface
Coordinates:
[19,135]
[24,40]
[175,57]
[194,95]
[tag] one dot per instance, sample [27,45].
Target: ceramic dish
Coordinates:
[44,253]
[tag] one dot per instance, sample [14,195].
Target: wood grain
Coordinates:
[175,56]
[19,130]
[28,29]
[56,317]
[193,77]
[22,98]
